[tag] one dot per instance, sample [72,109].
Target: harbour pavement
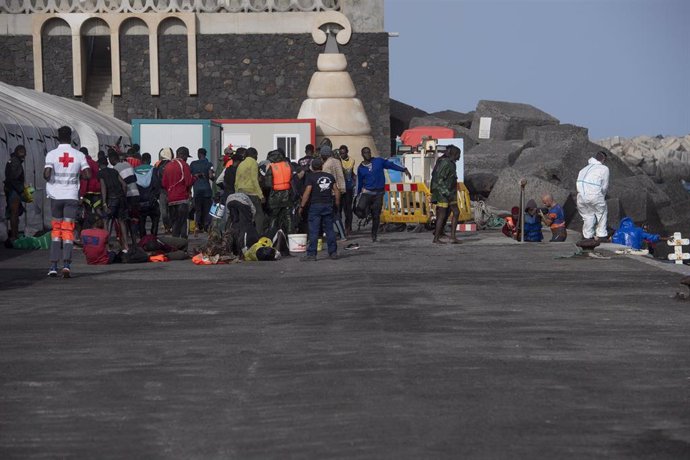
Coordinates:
[401,349]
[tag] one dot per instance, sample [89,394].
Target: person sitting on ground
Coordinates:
[628,234]
[114,197]
[370,187]
[319,193]
[444,193]
[95,244]
[511,228]
[532,223]
[554,218]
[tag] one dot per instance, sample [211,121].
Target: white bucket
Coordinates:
[297,242]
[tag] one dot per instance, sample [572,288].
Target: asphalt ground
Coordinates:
[402,349]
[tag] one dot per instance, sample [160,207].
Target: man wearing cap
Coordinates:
[177,181]
[203,173]
[165,156]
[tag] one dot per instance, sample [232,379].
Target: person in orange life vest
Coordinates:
[177,181]
[554,218]
[280,200]
[95,245]
[511,229]
[63,167]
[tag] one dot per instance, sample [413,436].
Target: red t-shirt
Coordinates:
[95,246]
[92,185]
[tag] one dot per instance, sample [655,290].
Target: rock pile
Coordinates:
[661,158]
[525,142]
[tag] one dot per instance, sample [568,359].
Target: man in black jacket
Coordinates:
[14,188]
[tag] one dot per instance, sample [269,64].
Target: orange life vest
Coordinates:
[282,175]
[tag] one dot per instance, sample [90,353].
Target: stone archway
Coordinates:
[55,50]
[97,64]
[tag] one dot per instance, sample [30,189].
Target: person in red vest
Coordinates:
[280,200]
[95,245]
[177,181]
[511,229]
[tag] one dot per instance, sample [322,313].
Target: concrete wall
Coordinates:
[248,76]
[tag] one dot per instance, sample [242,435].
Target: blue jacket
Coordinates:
[371,176]
[630,235]
[533,228]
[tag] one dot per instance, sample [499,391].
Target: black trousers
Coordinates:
[178,219]
[152,211]
[346,207]
[202,206]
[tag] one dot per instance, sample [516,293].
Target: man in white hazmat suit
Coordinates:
[592,185]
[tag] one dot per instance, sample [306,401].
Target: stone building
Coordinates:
[193,58]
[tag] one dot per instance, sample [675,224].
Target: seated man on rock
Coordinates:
[554,218]
[532,223]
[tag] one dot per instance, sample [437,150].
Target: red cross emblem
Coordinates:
[66,159]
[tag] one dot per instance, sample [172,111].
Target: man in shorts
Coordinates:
[63,167]
[444,186]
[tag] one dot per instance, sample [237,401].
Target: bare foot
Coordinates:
[455,241]
[437,241]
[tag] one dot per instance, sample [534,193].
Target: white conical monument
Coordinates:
[331,100]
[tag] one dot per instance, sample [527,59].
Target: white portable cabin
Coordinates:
[292,135]
[152,135]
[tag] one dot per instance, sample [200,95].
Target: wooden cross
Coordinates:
[66,159]
[678,242]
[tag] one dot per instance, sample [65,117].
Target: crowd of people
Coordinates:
[126,194]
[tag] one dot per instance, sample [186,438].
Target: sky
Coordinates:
[617,67]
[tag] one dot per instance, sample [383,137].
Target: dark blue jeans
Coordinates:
[321,214]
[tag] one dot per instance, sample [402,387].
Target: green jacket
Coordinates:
[247,178]
[444,180]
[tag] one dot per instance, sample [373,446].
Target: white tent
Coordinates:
[31,118]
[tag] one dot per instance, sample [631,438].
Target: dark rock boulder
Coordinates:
[480,182]
[428,120]
[560,162]
[494,155]
[455,118]
[506,192]
[400,116]
[550,134]
[509,119]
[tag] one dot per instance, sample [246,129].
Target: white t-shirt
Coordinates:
[66,163]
